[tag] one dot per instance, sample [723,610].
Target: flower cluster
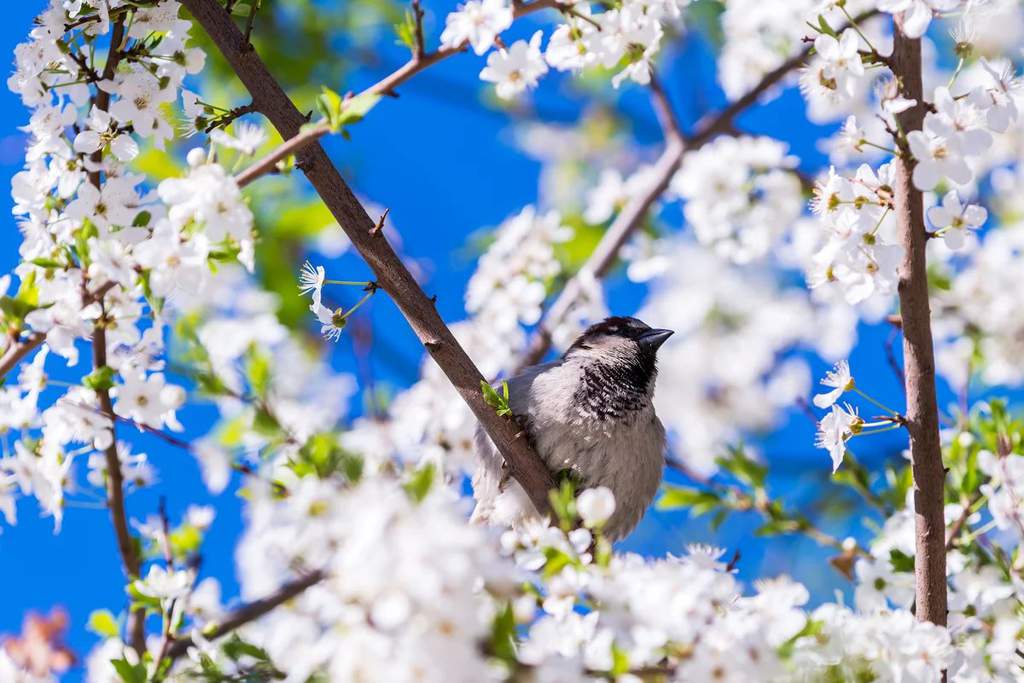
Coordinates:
[628,36]
[740,195]
[403,587]
[512,278]
[859,254]
[726,371]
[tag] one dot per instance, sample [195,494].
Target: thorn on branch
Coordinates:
[433,299]
[379,225]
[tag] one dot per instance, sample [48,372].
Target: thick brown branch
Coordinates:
[389,271]
[249,612]
[918,357]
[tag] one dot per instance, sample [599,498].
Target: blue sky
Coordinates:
[443,163]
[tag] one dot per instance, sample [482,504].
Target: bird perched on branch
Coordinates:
[590,413]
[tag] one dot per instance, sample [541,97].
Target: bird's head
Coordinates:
[623,343]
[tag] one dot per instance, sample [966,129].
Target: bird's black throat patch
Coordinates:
[608,391]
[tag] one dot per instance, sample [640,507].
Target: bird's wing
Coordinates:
[519,390]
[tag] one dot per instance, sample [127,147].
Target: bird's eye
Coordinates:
[585,347]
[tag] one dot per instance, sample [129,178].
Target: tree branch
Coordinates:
[421,60]
[632,215]
[919,362]
[389,271]
[17,350]
[290,146]
[115,479]
[249,612]
[115,493]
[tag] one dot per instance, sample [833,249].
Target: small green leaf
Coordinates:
[900,561]
[495,400]
[405,30]
[674,497]
[100,379]
[825,28]
[503,635]
[420,483]
[341,112]
[620,661]
[129,673]
[102,623]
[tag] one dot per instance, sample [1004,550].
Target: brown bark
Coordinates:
[391,274]
[919,362]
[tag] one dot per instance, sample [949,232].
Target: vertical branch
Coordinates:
[115,491]
[919,361]
[115,479]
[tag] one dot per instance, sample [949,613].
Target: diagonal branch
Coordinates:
[421,60]
[249,612]
[389,271]
[632,215]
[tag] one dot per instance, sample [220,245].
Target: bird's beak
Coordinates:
[652,339]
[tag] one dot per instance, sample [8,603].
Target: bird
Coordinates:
[589,413]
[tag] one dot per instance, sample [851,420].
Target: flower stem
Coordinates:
[351,283]
[876,403]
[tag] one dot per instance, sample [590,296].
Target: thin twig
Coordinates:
[248,612]
[292,145]
[417,63]
[419,46]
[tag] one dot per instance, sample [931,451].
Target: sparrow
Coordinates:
[589,413]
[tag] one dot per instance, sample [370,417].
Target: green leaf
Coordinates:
[420,483]
[46,263]
[620,661]
[100,379]
[824,27]
[900,561]
[185,540]
[405,30]
[503,635]
[129,673]
[774,527]
[142,219]
[258,371]
[495,400]
[743,468]
[102,623]
[14,310]
[142,600]
[341,112]
[811,628]
[674,497]
[563,499]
